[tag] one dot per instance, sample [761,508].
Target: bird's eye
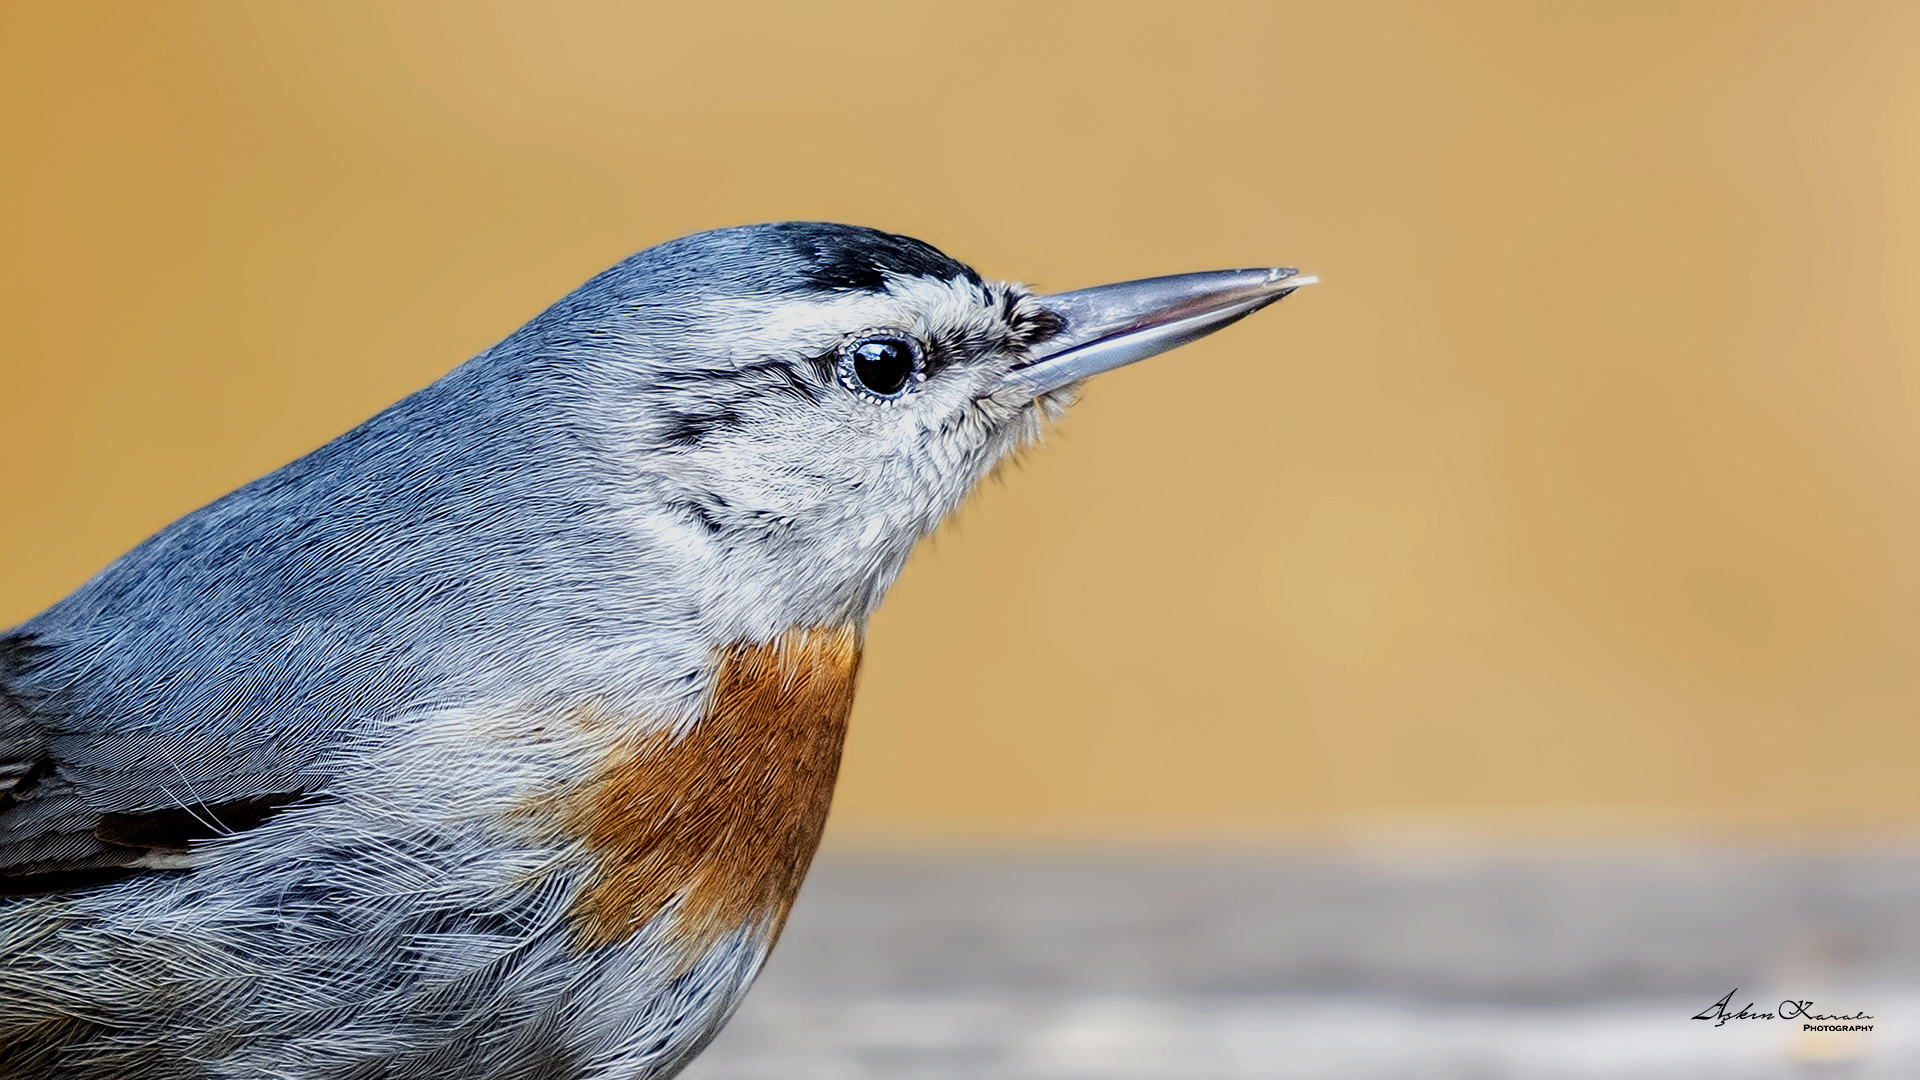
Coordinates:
[885,367]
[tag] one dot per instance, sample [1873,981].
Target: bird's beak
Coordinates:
[1114,325]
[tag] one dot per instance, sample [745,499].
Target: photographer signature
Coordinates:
[1720,1012]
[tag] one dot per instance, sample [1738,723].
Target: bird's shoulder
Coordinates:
[84,798]
[195,686]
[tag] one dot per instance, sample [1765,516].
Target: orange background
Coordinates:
[1583,494]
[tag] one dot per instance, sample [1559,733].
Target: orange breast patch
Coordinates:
[726,817]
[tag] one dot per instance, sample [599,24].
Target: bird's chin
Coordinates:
[1036,413]
[1012,405]
[1020,422]
[1054,404]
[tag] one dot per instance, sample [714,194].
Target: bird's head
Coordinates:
[791,406]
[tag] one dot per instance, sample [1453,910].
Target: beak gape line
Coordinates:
[1111,326]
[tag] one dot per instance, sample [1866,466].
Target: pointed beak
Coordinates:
[1115,325]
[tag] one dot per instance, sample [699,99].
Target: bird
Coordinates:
[494,737]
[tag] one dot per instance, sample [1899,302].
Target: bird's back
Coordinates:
[369,699]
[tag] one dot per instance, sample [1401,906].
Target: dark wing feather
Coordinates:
[245,653]
[52,836]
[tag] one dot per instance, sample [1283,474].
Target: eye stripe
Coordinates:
[780,377]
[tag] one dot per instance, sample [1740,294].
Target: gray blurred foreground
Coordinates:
[1330,967]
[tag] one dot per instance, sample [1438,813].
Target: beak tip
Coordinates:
[1285,282]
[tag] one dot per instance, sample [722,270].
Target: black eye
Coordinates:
[885,367]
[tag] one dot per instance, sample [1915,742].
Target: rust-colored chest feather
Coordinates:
[725,818]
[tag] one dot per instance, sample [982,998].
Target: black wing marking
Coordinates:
[52,837]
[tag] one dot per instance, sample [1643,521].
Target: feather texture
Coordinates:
[493,738]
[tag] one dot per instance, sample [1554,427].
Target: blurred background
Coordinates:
[1474,666]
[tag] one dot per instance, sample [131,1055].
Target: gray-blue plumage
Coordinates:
[352,773]
[450,542]
[308,719]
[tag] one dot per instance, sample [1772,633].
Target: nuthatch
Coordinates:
[493,738]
